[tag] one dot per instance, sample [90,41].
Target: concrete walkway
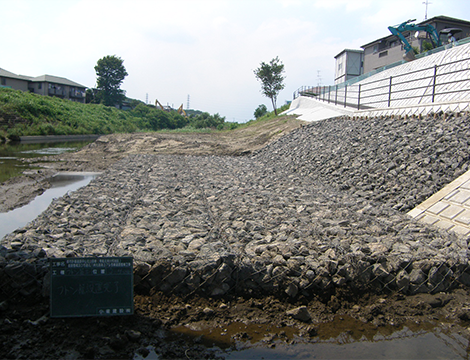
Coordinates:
[449,208]
[309,109]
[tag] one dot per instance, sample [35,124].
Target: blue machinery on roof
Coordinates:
[406,26]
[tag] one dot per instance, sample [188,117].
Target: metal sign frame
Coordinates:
[91,286]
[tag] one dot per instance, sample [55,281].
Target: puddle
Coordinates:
[238,341]
[11,154]
[402,345]
[61,184]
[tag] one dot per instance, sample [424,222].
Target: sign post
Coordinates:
[91,286]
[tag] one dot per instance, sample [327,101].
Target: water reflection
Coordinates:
[413,341]
[403,345]
[11,153]
[61,184]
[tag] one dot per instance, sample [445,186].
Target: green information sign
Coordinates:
[92,286]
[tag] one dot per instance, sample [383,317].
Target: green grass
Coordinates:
[268,116]
[44,115]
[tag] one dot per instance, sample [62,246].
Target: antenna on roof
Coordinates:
[426,13]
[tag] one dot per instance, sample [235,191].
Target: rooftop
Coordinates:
[42,78]
[441,18]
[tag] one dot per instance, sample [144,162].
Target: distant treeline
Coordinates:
[26,114]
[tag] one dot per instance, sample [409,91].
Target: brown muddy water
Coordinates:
[344,338]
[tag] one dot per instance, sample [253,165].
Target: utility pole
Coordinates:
[187,103]
[318,81]
[146,98]
[426,13]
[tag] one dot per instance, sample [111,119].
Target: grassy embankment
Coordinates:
[26,114]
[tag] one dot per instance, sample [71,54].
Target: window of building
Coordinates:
[39,86]
[383,45]
[3,81]
[383,53]
[340,66]
[376,49]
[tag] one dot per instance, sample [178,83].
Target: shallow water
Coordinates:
[334,340]
[12,153]
[61,184]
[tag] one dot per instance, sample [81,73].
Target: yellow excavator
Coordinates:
[158,105]
[169,108]
[181,111]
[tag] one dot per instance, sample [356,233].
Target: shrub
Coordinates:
[45,115]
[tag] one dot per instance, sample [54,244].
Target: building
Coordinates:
[349,64]
[389,49]
[47,85]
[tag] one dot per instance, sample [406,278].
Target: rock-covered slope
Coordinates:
[319,209]
[397,162]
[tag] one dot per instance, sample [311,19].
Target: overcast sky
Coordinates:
[206,49]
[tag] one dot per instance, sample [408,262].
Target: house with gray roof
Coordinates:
[46,85]
[389,49]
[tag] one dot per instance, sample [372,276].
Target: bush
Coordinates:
[260,111]
[45,115]
[205,120]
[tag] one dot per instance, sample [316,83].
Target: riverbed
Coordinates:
[12,153]
[61,184]
[313,224]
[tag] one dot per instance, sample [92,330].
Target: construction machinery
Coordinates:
[181,111]
[408,26]
[169,108]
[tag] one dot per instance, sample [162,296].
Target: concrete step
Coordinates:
[449,208]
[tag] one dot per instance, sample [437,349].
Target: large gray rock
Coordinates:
[300,313]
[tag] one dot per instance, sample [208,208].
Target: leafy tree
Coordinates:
[205,120]
[110,73]
[260,111]
[271,78]
[427,46]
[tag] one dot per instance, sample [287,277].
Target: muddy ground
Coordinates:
[188,327]
[178,328]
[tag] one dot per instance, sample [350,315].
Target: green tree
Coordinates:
[427,46]
[271,78]
[260,111]
[205,120]
[110,73]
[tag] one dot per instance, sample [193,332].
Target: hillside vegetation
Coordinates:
[23,114]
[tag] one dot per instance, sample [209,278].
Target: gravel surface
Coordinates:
[319,209]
